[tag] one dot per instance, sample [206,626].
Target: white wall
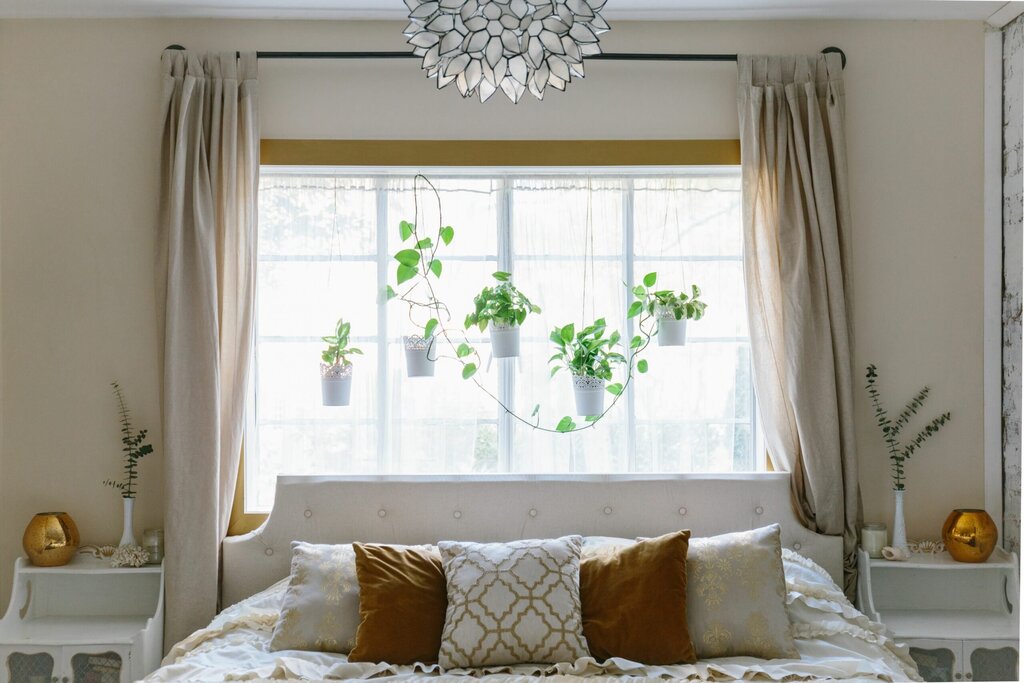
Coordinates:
[79,158]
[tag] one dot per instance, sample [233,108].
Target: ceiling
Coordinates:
[977,10]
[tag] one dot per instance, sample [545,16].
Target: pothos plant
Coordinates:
[133,446]
[899,452]
[589,351]
[338,350]
[677,304]
[502,304]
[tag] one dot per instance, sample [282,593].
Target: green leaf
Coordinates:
[592,418]
[565,424]
[390,293]
[502,276]
[636,342]
[408,257]
[650,279]
[634,309]
[406,273]
[554,371]
[614,389]
[639,292]
[642,365]
[405,230]
[425,243]
[428,330]
[463,350]
[568,332]
[468,370]
[520,317]
[435,267]
[536,409]
[447,234]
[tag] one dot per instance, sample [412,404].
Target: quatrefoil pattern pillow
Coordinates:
[512,603]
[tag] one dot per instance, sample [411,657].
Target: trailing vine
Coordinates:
[419,265]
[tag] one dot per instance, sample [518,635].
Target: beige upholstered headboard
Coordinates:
[427,509]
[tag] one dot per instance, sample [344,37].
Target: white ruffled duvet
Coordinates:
[835,641]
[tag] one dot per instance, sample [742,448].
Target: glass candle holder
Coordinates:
[873,538]
[153,542]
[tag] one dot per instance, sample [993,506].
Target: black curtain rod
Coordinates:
[609,56]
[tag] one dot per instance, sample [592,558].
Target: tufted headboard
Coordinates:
[426,509]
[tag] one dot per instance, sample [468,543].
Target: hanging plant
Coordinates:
[505,308]
[589,357]
[336,368]
[671,309]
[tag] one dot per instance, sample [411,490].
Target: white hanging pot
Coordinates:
[336,384]
[128,535]
[589,392]
[504,340]
[671,332]
[419,356]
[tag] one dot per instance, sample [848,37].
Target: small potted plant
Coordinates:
[134,447]
[336,368]
[505,308]
[589,356]
[673,309]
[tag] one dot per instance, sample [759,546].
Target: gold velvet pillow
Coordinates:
[402,603]
[634,602]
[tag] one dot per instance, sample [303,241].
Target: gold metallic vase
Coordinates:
[969,535]
[51,539]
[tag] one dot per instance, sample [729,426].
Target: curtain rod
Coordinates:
[609,56]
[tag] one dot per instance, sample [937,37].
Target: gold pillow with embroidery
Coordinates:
[736,596]
[320,610]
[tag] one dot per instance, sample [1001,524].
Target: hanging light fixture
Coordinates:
[512,45]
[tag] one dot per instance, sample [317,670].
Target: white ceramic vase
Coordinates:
[128,535]
[899,527]
[336,384]
[671,332]
[419,359]
[504,340]
[589,393]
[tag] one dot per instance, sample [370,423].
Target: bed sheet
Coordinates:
[834,639]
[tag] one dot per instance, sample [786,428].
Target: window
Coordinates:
[571,238]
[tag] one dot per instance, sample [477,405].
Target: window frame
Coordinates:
[407,156]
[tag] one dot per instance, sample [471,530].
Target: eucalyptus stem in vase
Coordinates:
[900,453]
[134,448]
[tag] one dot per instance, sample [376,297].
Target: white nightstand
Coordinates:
[959,619]
[84,622]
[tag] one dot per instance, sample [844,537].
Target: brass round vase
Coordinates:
[51,539]
[969,535]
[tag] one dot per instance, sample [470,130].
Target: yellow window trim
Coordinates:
[500,153]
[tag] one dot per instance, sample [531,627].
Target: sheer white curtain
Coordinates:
[206,282]
[796,221]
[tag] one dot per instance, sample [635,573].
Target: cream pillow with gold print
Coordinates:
[320,610]
[512,603]
[736,596]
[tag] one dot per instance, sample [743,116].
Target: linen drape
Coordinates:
[796,224]
[206,281]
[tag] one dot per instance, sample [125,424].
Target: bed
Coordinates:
[834,640]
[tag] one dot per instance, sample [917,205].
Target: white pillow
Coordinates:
[512,603]
[320,610]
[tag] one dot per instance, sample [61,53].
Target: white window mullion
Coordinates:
[628,277]
[384,431]
[506,367]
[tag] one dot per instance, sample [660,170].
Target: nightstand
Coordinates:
[85,622]
[959,619]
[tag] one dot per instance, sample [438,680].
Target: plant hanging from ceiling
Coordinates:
[510,45]
[505,308]
[590,355]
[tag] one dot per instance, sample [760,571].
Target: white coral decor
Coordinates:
[129,556]
[511,45]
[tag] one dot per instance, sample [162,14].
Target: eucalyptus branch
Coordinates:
[133,446]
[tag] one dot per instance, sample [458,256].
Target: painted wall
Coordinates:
[79,158]
[1013,252]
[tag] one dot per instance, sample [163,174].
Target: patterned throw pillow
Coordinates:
[736,595]
[320,610]
[512,603]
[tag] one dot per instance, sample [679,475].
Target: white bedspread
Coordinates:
[835,641]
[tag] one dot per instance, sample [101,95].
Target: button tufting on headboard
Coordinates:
[682,511]
[607,509]
[457,514]
[533,512]
[268,552]
[307,514]
[759,510]
[382,513]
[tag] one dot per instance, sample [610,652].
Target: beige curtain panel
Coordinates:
[796,224]
[206,280]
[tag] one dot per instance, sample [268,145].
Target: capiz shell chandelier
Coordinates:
[512,45]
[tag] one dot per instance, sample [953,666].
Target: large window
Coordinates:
[571,238]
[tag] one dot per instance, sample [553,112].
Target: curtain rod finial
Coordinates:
[833,48]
